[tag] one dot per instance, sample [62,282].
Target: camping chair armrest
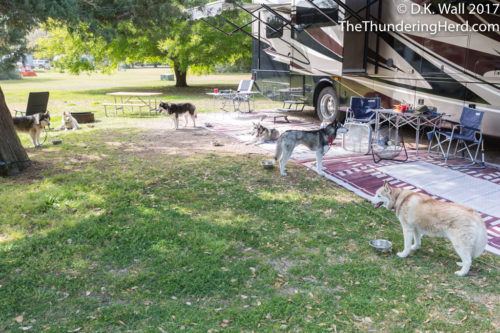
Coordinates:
[466,127]
[471,128]
[449,121]
[373,115]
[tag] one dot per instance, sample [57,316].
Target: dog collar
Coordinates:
[330,139]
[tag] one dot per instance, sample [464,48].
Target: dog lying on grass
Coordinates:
[68,122]
[420,215]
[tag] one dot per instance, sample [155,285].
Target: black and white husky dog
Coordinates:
[33,125]
[318,141]
[175,110]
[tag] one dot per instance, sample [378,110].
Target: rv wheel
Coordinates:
[327,106]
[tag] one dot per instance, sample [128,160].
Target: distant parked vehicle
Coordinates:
[41,64]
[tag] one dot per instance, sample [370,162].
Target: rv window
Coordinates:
[277,24]
[306,15]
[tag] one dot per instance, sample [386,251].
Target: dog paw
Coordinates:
[415,247]
[459,263]
[460,273]
[284,174]
[402,254]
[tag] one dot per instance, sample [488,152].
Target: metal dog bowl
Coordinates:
[56,141]
[381,245]
[267,164]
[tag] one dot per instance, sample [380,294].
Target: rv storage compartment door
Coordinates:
[316,38]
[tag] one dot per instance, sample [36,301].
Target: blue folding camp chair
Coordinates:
[466,135]
[361,109]
[359,118]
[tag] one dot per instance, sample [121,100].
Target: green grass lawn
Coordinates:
[107,232]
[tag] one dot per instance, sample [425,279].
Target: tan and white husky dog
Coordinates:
[420,215]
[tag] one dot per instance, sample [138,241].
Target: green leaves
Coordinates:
[107,33]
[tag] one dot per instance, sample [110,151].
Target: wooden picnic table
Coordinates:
[133,99]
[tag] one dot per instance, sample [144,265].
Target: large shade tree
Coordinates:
[17,18]
[100,33]
[181,43]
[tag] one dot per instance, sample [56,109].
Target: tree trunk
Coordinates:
[13,157]
[180,77]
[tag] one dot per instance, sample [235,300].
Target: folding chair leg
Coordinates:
[447,152]
[482,163]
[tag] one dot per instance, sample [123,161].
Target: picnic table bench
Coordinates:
[132,99]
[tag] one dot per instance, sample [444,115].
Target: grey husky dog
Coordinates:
[176,110]
[263,134]
[318,141]
[33,125]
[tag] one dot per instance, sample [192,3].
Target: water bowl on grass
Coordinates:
[267,164]
[381,245]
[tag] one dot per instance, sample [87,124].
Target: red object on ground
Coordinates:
[28,73]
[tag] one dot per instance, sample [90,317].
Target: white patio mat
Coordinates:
[481,195]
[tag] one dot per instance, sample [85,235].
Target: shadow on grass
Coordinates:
[172,91]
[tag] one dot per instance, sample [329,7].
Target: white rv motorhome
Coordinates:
[440,53]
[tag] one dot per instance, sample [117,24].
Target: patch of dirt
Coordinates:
[185,141]
[156,137]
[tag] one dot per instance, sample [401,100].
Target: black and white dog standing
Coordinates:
[33,125]
[318,141]
[175,110]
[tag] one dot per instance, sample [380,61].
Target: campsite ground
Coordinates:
[129,225]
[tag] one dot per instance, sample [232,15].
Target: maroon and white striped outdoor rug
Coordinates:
[476,188]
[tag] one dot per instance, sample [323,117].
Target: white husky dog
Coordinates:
[68,122]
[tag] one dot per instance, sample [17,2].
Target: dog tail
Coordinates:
[277,155]
[481,240]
